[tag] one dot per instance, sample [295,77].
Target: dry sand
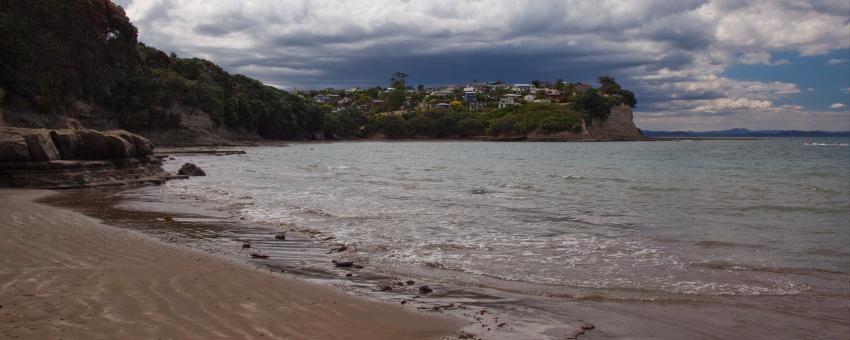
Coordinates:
[66,275]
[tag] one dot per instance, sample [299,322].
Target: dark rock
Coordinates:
[338,249]
[118,147]
[190,169]
[66,142]
[386,288]
[41,147]
[343,264]
[93,145]
[259,256]
[410,282]
[280,236]
[587,326]
[466,335]
[246,246]
[349,275]
[13,147]
[425,290]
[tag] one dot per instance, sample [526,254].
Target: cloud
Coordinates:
[763,58]
[838,61]
[837,106]
[673,54]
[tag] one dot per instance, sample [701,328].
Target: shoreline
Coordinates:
[304,255]
[211,228]
[68,275]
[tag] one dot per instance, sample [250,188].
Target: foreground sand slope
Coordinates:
[65,275]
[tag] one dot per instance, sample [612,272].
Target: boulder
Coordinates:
[13,147]
[425,290]
[66,142]
[190,169]
[119,147]
[93,145]
[41,147]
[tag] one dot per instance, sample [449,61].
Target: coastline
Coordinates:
[529,313]
[68,275]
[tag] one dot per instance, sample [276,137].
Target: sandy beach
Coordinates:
[66,275]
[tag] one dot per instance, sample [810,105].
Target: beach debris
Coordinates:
[410,282]
[466,335]
[345,264]
[259,256]
[168,219]
[280,236]
[438,308]
[425,290]
[246,246]
[339,249]
[189,169]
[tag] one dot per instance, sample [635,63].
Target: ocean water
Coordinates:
[642,220]
[651,216]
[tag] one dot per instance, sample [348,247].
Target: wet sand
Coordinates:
[214,228]
[66,275]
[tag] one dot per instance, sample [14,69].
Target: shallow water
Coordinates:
[622,221]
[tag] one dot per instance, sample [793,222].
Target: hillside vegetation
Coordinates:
[59,55]
[55,52]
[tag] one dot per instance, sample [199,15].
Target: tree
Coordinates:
[560,85]
[398,81]
[536,83]
[609,85]
[420,88]
[593,106]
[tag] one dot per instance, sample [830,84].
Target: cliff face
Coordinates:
[620,125]
[68,158]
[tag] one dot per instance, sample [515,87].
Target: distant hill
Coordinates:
[746,133]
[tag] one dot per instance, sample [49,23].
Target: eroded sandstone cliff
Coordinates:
[67,158]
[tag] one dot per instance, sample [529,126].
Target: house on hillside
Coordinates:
[581,88]
[470,95]
[508,100]
[523,88]
[552,92]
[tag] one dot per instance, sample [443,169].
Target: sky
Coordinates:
[693,64]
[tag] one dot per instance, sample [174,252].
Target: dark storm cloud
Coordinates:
[671,53]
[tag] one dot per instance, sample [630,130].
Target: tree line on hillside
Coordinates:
[56,52]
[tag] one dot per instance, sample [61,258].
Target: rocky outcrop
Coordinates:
[620,125]
[68,158]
